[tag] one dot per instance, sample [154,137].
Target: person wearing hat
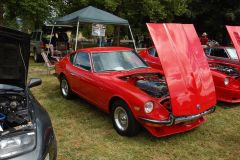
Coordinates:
[204,39]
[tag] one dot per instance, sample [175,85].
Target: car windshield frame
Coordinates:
[116,69]
[233,55]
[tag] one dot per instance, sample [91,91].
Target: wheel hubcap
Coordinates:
[64,87]
[121,118]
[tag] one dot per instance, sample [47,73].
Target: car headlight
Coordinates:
[12,146]
[148,107]
[226,81]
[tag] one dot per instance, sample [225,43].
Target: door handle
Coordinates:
[73,74]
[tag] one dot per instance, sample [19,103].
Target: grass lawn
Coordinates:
[85,133]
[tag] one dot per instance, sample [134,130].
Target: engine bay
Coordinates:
[14,112]
[227,69]
[154,84]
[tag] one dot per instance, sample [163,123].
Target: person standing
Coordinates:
[204,39]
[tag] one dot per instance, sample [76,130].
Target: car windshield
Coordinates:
[232,53]
[117,61]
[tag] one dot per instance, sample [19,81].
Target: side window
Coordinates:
[152,52]
[72,56]
[219,52]
[207,51]
[82,60]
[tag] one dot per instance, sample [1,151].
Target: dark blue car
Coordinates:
[26,131]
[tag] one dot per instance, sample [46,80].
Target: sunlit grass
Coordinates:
[84,132]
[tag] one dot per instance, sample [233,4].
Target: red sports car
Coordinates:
[118,81]
[224,65]
[225,75]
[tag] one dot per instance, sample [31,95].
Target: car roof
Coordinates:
[104,49]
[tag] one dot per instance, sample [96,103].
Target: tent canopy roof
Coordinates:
[91,15]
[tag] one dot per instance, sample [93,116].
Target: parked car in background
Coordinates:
[222,54]
[26,130]
[119,82]
[40,40]
[38,44]
[225,67]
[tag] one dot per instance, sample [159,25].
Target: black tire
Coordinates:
[133,126]
[65,91]
[37,57]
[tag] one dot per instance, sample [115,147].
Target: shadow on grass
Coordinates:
[226,105]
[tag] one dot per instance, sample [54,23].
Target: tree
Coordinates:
[211,16]
[32,13]
[136,12]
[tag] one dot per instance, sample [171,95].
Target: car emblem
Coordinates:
[198,106]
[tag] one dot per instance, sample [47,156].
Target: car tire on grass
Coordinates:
[65,88]
[37,58]
[123,120]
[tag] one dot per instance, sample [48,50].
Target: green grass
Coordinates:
[84,132]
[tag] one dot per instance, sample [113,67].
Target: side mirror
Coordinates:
[34,82]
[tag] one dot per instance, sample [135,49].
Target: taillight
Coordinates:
[42,45]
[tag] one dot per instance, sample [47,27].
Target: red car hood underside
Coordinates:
[234,33]
[185,67]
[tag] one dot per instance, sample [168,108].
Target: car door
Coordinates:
[82,78]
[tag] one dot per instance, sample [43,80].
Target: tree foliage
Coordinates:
[207,15]
[32,13]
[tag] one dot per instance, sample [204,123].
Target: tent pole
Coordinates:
[132,38]
[50,40]
[100,41]
[118,35]
[76,36]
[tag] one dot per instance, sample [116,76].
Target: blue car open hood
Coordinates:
[14,57]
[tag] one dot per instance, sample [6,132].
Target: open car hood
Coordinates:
[185,67]
[234,33]
[14,57]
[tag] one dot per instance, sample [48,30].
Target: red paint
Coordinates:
[234,32]
[229,93]
[185,67]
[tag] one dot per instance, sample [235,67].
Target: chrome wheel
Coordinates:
[64,87]
[121,118]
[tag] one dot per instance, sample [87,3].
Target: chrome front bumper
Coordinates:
[175,120]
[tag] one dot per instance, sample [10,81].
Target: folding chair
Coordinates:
[57,55]
[49,65]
